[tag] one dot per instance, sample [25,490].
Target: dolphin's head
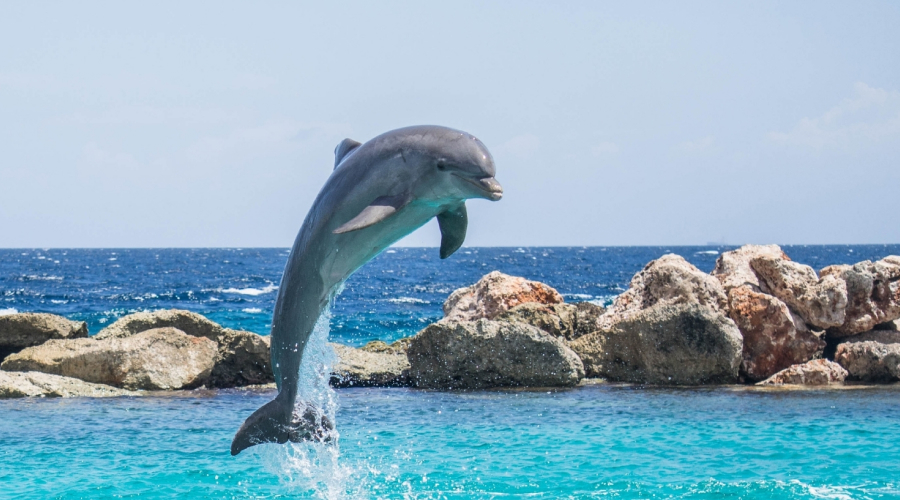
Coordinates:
[454,164]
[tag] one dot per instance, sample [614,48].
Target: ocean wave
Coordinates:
[252,310]
[251,291]
[579,296]
[8,311]
[707,252]
[407,300]
[35,277]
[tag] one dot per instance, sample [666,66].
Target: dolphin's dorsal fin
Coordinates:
[453,223]
[343,149]
[377,211]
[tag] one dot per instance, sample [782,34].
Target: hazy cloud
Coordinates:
[871,115]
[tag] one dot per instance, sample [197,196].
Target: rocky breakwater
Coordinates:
[472,347]
[670,327]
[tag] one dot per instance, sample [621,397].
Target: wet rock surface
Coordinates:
[494,294]
[484,354]
[871,357]
[815,372]
[668,344]
[18,331]
[158,359]
[45,385]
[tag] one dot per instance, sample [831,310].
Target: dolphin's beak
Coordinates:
[492,188]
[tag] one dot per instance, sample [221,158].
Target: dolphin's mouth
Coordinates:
[488,185]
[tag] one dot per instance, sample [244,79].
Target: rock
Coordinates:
[375,365]
[158,359]
[568,321]
[36,384]
[556,319]
[483,353]
[188,322]
[18,331]
[242,359]
[494,294]
[873,294]
[668,280]
[671,344]
[872,356]
[733,268]
[820,302]
[815,372]
[774,338]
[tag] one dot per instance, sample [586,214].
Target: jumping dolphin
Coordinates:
[379,192]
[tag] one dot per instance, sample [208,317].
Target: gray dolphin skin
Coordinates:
[379,192]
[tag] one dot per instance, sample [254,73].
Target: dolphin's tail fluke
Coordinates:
[277,422]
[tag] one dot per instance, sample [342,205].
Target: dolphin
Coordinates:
[379,192]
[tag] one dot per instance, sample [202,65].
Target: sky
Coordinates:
[192,124]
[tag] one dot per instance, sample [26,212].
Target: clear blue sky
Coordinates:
[628,123]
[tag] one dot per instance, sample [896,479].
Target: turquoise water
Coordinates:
[605,441]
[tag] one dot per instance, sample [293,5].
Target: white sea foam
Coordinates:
[35,277]
[578,296]
[7,311]
[252,310]
[251,291]
[708,252]
[407,300]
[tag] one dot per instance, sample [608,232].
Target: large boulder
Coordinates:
[668,280]
[188,322]
[774,338]
[821,302]
[494,294]
[158,359]
[45,385]
[18,331]
[733,268]
[815,372]
[376,364]
[872,356]
[568,321]
[669,344]
[243,358]
[873,294]
[483,354]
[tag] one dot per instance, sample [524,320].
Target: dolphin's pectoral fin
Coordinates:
[379,210]
[270,424]
[453,223]
[343,149]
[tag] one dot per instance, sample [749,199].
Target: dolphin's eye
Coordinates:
[442,165]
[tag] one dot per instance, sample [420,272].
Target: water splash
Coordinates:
[314,468]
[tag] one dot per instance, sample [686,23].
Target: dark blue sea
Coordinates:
[599,441]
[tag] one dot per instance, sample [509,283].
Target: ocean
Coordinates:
[595,441]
